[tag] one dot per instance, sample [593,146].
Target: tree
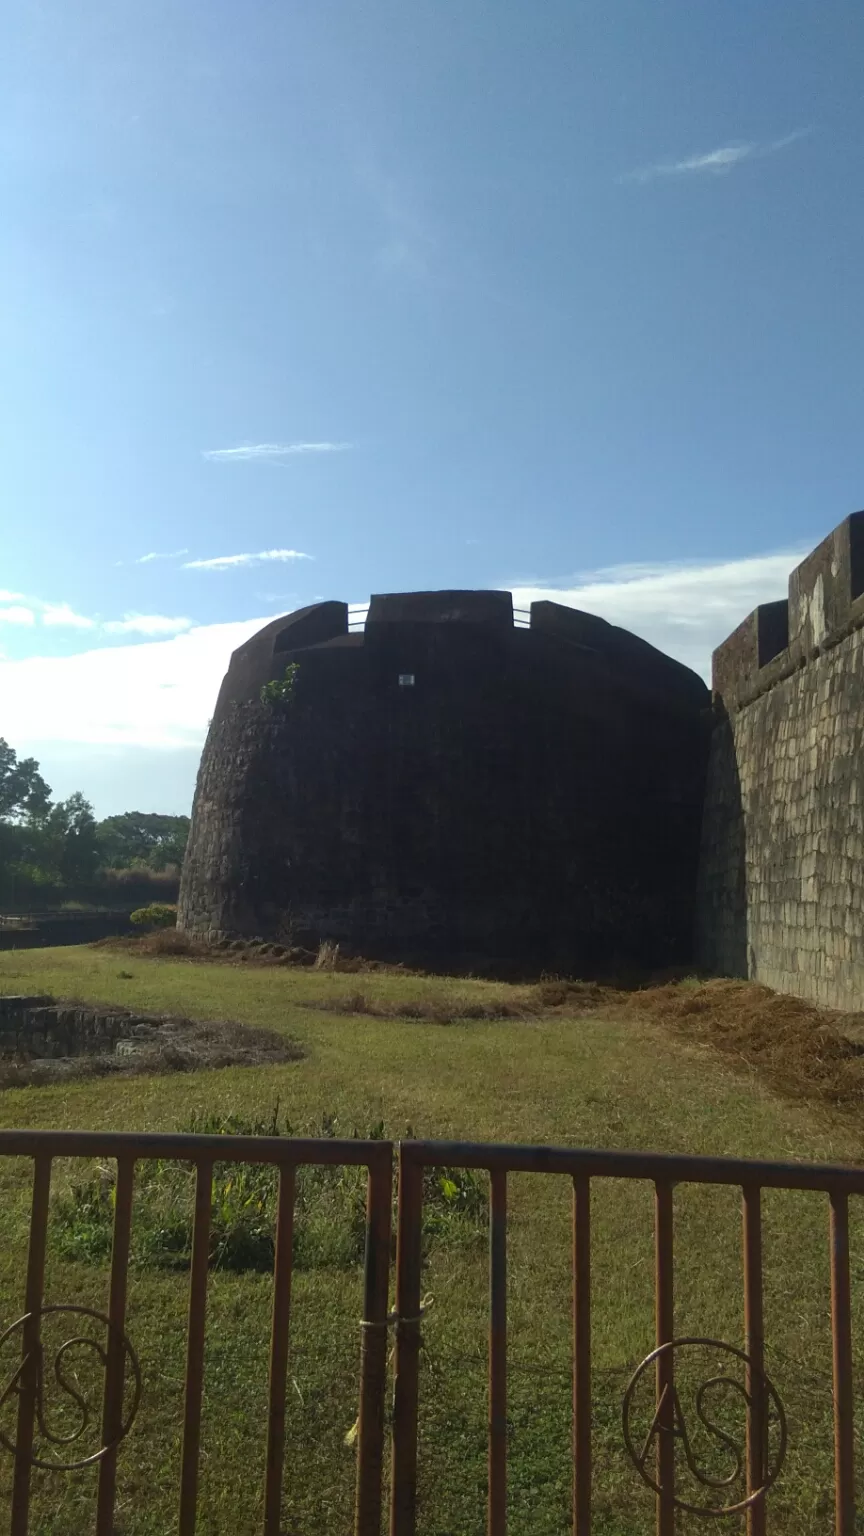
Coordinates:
[23,791]
[142,837]
[78,844]
[59,846]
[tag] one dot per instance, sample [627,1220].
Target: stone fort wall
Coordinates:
[447,785]
[781,885]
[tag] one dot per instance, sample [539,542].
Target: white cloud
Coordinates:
[229,562]
[146,624]
[685,610]
[61,616]
[173,554]
[17,616]
[716,161]
[158,693]
[11,597]
[269,452]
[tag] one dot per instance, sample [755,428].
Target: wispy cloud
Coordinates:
[716,161]
[230,562]
[173,554]
[61,616]
[147,624]
[11,597]
[269,453]
[685,610]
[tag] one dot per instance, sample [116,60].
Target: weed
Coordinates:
[280,690]
[329,1209]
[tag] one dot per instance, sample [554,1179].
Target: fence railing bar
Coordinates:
[403,1499]
[664,1302]
[754,1346]
[195,1347]
[374,1346]
[841,1330]
[677,1168]
[279,1354]
[30,1346]
[188,1147]
[112,1405]
[497,1514]
[581,1356]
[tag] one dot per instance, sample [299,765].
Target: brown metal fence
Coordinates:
[656,1459]
[116,1351]
[764,1410]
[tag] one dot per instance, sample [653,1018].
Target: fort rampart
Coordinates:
[781,887]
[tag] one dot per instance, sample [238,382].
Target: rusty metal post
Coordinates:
[373,1358]
[665,1370]
[754,1346]
[31,1346]
[112,1406]
[279,1354]
[581,1355]
[497,1515]
[841,1334]
[403,1493]
[195,1349]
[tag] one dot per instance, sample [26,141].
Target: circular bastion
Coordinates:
[454,784]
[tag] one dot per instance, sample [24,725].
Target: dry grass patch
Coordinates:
[804,1051]
[431,1009]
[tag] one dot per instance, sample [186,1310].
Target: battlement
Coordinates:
[399,628]
[826,601]
[459,607]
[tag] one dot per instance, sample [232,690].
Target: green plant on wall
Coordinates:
[280,690]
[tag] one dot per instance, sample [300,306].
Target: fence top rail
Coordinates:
[182,1147]
[668,1167]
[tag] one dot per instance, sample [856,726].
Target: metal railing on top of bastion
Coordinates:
[357,616]
[663,1451]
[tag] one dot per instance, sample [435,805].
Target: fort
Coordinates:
[455,783]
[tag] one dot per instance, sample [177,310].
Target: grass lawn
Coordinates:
[613,1078]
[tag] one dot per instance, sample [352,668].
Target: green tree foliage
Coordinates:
[23,791]
[69,844]
[141,837]
[41,843]
[45,843]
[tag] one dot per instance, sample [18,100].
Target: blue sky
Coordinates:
[561,296]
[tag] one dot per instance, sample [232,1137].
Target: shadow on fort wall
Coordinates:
[721,899]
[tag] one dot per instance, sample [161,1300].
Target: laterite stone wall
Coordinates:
[782,870]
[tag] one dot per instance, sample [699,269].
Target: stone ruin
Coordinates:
[43,1038]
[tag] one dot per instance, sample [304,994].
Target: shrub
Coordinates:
[329,1215]
[280,690]
[160,914]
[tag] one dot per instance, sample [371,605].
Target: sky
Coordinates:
[305,298]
